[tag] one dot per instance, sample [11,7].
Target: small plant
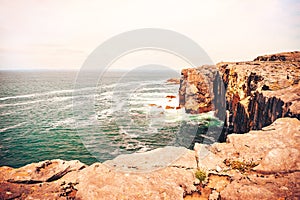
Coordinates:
[201,175]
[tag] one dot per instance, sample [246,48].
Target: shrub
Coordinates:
[201,175]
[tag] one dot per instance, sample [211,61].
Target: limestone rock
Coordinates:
[100,182]
[275,150]
[257,93]
[153,160]
[45,171]
[38,180]
[173,80]
[288,56]
[254,93]
[199,89]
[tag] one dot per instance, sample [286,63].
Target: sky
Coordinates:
[60,34]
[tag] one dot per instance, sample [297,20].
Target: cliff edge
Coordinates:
[254,94]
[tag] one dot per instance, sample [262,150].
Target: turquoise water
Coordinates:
[36,113]
[38,122]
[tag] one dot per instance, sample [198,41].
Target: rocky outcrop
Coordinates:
[257,92]
[173,80]
[261,164]
[201,90]
[288,56]
[254,92]
[38,180]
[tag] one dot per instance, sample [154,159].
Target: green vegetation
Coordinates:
[201,175]
[242,166]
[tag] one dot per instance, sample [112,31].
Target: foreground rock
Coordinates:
[36,180]
[261,164]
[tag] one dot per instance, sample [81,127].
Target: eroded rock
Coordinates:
[254,93]
[45,171]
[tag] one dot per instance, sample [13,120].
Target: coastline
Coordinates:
[262,101]
[260,164]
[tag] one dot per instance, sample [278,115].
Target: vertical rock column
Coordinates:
[202,90]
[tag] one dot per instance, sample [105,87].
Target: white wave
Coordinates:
[14,111]
[152,88]
[103,114]
[107,86]
[35,94]
[19,96]
[7,113]
[54,99]
[58,99]
[109,93]
[153,94]
[47,93]
[11,127]
[135,146]
[64,122]
[20,104]
[67,107]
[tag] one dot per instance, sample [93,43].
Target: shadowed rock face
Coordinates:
[256,93]
[258,165]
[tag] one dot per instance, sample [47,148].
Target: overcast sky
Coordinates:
[60,34]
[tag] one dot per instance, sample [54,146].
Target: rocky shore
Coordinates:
[261,164]
[260,98]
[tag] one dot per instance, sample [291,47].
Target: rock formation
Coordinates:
[257,92]
[288,56]
[261,164]
[201,90]
[173,81]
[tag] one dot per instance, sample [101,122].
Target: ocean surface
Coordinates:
[38,121]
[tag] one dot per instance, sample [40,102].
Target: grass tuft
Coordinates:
[201,175]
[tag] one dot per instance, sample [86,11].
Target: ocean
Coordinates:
[132,112]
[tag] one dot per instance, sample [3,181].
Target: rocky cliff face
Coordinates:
[257,92]
[202,90]
[257,165]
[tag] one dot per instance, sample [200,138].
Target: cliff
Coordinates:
[256,92]
[261,164]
